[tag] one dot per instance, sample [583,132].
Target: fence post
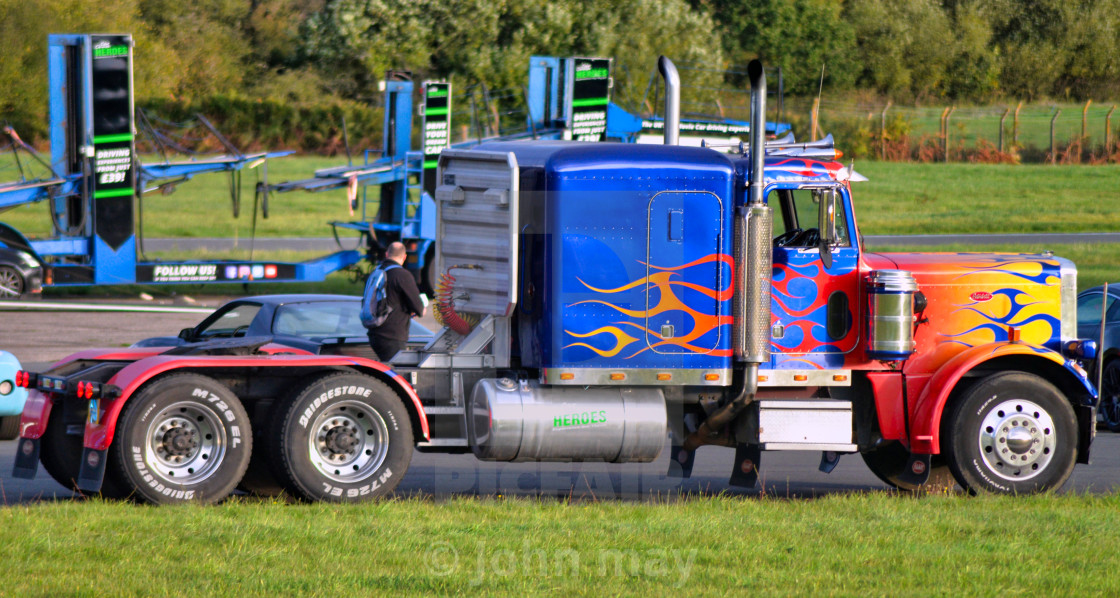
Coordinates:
[1015,133]
[1084,118]
[813,119]
[1002,119]
[883,131]
[1053,148]
[945,130]
[1108,132]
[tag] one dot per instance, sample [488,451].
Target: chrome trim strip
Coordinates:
[812,377]
[635,377]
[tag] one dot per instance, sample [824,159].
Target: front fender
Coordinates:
[102,423]
[928,410]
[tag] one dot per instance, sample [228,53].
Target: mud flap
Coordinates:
[916,471]
[829,461]
[27,459]
[745,471]
[93,470]
[680,462]
[1086,430]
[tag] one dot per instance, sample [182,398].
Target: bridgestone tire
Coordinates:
[183,438]
[889,461]
[344,438]
[61,455]
[1011,433]
[9,427]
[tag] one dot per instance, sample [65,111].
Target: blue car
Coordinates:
[12,397]
[1089,308]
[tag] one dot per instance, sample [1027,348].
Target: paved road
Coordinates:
[784,475]
[326,244]
[37,338]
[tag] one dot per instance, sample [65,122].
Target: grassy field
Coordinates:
[900,198]
[860,544]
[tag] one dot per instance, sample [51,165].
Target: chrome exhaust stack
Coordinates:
[753,263]
[672,100]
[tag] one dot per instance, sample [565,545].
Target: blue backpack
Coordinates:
[375,309]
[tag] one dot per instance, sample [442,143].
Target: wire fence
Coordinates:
[1057,133]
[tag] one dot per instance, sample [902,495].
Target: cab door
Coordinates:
[685,273]
[814,309]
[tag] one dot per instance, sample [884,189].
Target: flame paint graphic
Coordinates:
[1033,311]
[800,302]
[666,281]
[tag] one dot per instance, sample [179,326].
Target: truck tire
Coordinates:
[887,462]
[60,453]
[183,438]
[1011,433]
[345,437]
[9,427]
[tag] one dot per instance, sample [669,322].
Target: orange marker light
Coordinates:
[800,377]
[664,376]
[839,378]
[618,376]
[711,377]
[763,378]
[567,376]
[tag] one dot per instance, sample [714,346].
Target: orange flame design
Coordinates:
[664,281]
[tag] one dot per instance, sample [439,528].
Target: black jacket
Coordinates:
[403,296]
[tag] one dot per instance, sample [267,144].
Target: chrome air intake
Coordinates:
[890,304]
[510,420]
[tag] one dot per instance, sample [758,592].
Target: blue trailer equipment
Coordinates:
[96,178]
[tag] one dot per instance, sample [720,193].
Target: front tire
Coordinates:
[344,438]
[183,438]
[11,283]
[1011,433]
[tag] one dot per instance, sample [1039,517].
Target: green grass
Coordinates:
[859,544]
[1096,264]
[900,198]
[904,198]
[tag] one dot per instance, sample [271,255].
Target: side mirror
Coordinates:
[826,224]
[186,334]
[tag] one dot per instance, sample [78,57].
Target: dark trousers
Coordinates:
[385,348]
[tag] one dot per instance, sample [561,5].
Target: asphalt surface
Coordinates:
[38,338]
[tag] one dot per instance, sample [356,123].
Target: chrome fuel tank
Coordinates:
[512,420]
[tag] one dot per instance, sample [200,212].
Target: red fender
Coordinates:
[36,414]
[99,433]
[925,425]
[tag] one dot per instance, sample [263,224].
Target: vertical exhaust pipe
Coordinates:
[753,231]
[672,100]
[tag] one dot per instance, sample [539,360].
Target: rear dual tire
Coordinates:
[183,438]
[344,438]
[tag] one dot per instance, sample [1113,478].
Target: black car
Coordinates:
[1089,305]
[315,323]
[21,272]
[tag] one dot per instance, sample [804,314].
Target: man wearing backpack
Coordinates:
[391,297]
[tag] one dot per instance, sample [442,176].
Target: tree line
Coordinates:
[319,58]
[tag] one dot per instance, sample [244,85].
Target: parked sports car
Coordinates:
[21,273]
[315,323]
[1089,304]
[12,397]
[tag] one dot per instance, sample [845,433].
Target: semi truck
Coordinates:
[608,302]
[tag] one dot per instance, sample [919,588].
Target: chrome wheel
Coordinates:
[185,443]
[11,283]
[348,442]
[1017,439]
